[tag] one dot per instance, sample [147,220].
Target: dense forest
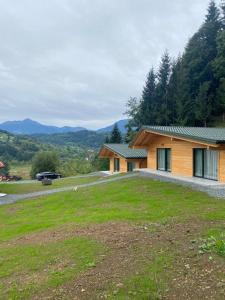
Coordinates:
[188,90]
[76,151]
[67,145]
[83,138]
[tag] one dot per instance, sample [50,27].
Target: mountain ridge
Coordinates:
[30,127]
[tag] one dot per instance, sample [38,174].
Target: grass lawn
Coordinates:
[23,188]
[133,239]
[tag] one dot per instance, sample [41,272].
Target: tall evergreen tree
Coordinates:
[197,62]
[203,104]
[148,100]
[219,67]
[116,137]
[163,110]
[189,91]
[133,112]
[107,140]
[130,134]
[220,97]
[173,90]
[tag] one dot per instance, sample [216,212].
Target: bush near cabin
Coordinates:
[44,161]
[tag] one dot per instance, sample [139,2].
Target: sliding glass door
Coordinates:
[164,159]
[116,164]
[206,163]
[130,166]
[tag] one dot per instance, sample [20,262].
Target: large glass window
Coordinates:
[206,163]
[164,159]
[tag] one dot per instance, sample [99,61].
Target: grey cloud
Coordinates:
[73,62]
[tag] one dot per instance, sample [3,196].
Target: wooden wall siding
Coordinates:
[222,165]
[143,164]
[111,164]
[139,163]
[181,154]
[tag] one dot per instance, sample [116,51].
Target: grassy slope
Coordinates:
[44,266]
[134,200]
[37,185]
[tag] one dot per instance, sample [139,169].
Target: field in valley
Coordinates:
[21,170]
[131,239]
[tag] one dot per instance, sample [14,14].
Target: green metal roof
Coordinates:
[203,134]
[126,152]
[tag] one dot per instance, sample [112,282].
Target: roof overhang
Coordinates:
[106,152]
[145,136]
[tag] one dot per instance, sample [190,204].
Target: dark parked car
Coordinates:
[48,175]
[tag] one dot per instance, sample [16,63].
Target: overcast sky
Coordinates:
[76,62]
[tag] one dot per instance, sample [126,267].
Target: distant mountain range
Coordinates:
[29,127]
[121,125]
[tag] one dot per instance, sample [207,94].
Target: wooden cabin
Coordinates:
[186,151]
[122,158]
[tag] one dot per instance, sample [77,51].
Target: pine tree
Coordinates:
[116,137]
[197,63]
[173,89]
[163,110]
[203,105]
[223,13]
[107,140]
[130,134]
[220,97]
[148,100]
[190,91]
[133,112]
[219,66]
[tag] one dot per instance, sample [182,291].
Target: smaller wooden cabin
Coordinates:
[122,158]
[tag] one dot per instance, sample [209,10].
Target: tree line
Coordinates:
[188,90]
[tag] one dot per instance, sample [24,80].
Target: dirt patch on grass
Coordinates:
[111,233]
[192,276]
[196,275]
[12,210]
[130,247]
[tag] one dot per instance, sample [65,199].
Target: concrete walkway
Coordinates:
[211,187]
[14,198]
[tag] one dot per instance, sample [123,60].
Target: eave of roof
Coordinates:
[179,132]
[120,149]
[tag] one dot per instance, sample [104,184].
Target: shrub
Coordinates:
[44,161]
[76,166]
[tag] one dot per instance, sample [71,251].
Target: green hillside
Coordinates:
[84,138]
[22,148]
